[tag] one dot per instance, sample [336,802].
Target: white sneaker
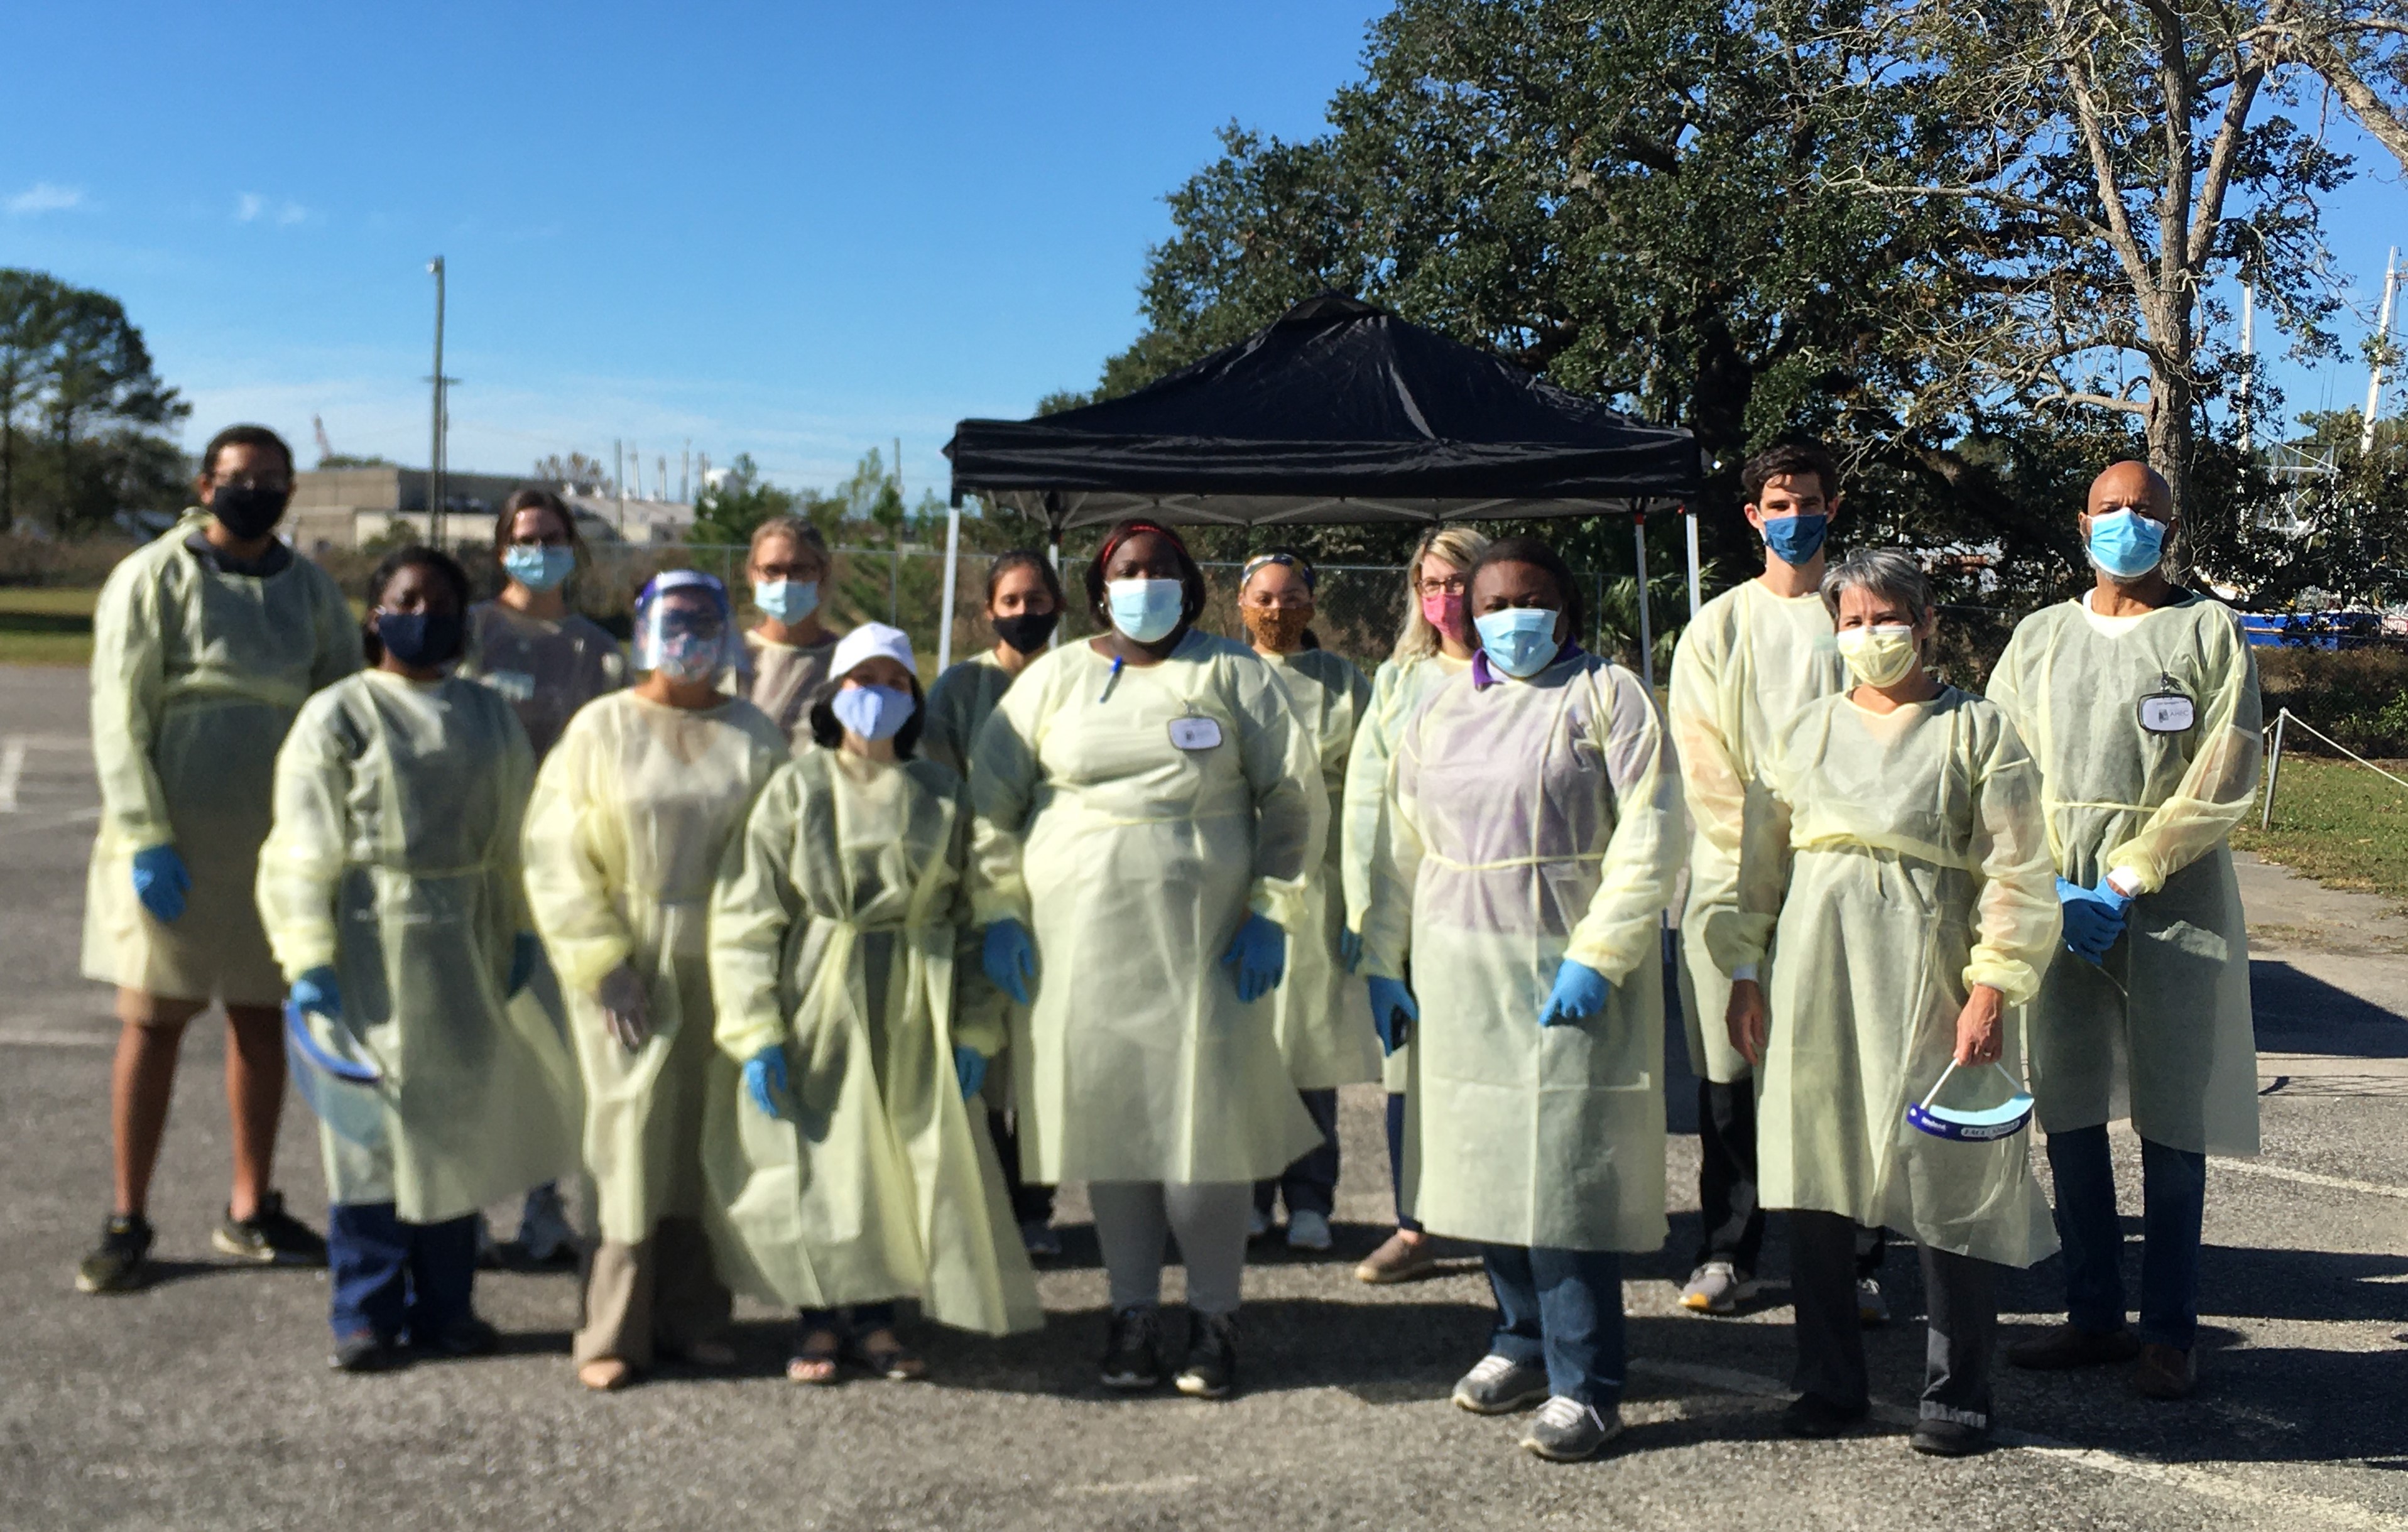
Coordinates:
[545,1235]
[1872,1309]
[1258,1223]
[1717,1287]
[1308,1231]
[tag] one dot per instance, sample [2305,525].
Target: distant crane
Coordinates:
[325,448]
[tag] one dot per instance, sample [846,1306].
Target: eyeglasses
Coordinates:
[251,481]
[1446,586]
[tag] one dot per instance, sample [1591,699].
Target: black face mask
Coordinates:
[1029,630]
[248,511]
[420,640]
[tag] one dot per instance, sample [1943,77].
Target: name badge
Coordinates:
[2167,710]
[1194,733]
[2168,714]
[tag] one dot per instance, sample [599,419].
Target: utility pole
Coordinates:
[619,481]
[2382,345]
[685,472]
[435,488]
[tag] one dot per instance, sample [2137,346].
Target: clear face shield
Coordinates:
[1973,1124]
[684,628]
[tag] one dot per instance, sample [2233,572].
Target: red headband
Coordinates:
[1127,530]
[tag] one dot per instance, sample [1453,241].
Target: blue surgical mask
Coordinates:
[1520,640]
[787,600]
[1796,539]
[538,566]
[873,712]
[2127,544]
[1145,611]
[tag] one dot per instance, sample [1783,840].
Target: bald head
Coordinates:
[2132,485]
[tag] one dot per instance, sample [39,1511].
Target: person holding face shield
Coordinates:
[847,1169]
[1524,871]
[548,660]
[1322,1017]
[1149,815]
[205,645]
[2139,701]
[1023,606]
[631,814]
[390,889]
[789,569]
[1899,889]
[1435,645]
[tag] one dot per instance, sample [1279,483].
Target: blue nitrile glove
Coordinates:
[970,1067]
[1393,1012]
[525,949]
[161,882]
[1350,948]
[1009,958]
[1580,991]
[316,990]
[764,1078]
[2094,918]
[1257,957]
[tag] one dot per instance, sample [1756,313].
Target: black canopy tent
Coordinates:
[1338,411]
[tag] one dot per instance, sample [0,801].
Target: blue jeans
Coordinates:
[1563,1307]
[2174,1200]
[1397,1160]
[1310,1184]
[390,1278]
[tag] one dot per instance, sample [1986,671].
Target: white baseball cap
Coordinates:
[868,641]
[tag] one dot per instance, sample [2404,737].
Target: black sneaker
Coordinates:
[366,1352]
[1936,1437]
[465,1336]
[1132,1353]
[122,1264]
[1212,1369]
[270,1237]
[1818,1419]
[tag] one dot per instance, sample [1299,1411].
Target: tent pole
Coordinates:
[1690,519]
[1056,529]
[1647,635]
[952,565]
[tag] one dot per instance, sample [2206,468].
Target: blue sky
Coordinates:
[799,231]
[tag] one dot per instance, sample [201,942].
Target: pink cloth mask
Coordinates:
[1444,611]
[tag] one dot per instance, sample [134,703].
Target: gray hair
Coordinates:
[1889,573]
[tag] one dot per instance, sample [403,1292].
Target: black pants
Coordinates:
[1731,1220]
[1959,1292]
[1397,1160]
[1029,1203]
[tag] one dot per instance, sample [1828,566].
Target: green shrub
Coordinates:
[2359,697]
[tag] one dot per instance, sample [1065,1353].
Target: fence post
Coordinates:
[1647,635]
[895,587]
[952,562]
[2273,770]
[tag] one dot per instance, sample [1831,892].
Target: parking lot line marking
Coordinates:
[12,767]
[2205,1482]
[21,1036]
[2310,1178]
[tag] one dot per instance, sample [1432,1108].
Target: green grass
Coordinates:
[2339,823]
[42,625]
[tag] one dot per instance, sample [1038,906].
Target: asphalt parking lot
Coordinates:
[205,1401]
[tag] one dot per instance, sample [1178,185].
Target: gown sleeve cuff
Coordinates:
[2015,981]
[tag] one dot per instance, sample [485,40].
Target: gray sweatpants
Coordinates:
[1959,1292]
[1132,1219]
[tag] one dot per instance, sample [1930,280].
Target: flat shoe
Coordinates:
[606,1375]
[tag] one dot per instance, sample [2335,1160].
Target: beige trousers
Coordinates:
[657,1296]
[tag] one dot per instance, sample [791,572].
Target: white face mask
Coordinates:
[1882,655]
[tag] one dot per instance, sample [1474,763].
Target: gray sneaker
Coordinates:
[1498,1385]
[1568,1431]
[1717,1287]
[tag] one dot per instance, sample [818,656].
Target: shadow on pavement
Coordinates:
[2298,1013]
